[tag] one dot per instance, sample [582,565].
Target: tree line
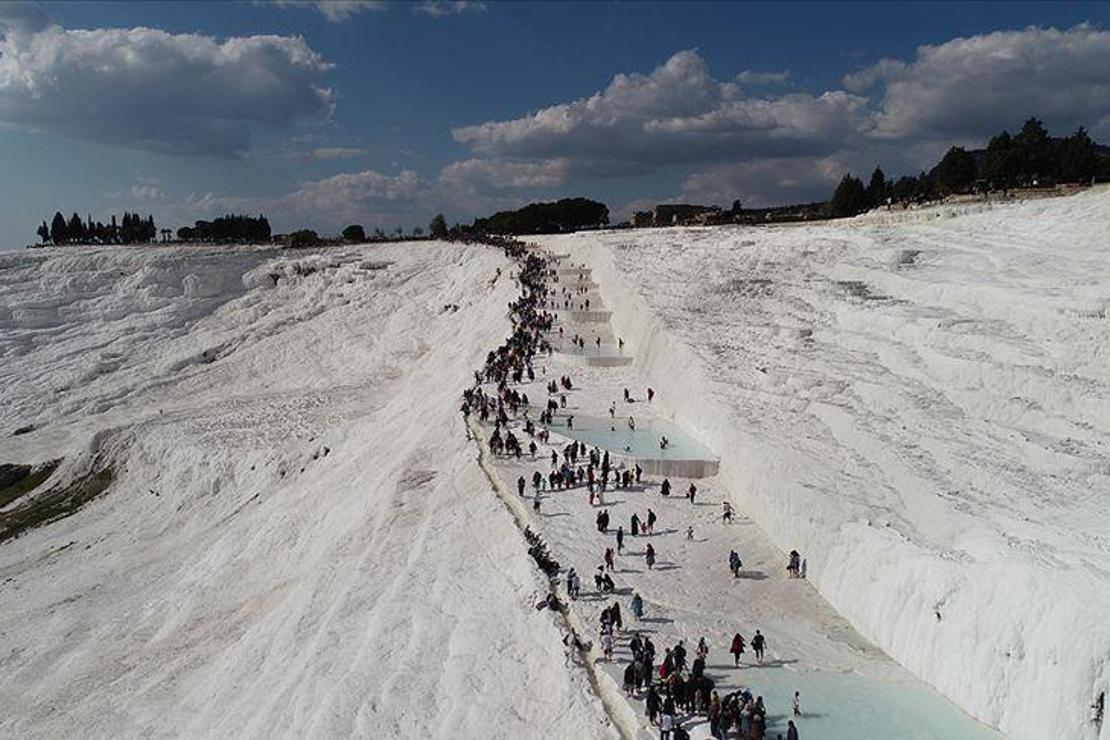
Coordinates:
[227,229]
[568,214]
[1029,158]
[133,229]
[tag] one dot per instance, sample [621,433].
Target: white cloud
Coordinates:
[753,77]
[143,192]
[677,114]
[23,17]
[766,182]
[441,8]
[367,197]
[147,89]
[978,85]
[335,152]
[351,193]
[484,174]
[335,11]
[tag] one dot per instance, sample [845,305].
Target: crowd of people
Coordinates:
[673,687]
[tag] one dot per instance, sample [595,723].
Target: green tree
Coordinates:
[1076,158]
[1000,163]
[43,232]
[417,231]
[438,227]
[59,231]
[1034,152]
[354,233]
[905,191]
[878,189]
[850,197]
[956,171]
[75,229]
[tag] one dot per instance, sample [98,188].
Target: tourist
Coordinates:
[649,556]
[637,606]
[734,563]
[759,644]
[736,648]
[794,566]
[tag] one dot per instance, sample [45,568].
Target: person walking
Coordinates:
[637,606]
[649,556]
[666,724]
[620,540]
[791,731]
[651,522]
[736,648]
[759,644]
[653,704]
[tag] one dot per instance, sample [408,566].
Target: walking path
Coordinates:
[848,688]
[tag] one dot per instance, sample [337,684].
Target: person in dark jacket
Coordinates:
[736,648]
[653,704]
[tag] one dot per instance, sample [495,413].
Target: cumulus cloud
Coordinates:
[485,174]
[753,77]
[769,147]
[441,8]
[334,10]
[677,114]
[367,197]
[366,191]
[766,182]
[978,85]
[143,193]
[147,89]
[335,152]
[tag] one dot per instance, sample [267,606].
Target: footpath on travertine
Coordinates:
[848,688]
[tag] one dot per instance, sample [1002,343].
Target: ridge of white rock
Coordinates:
[918,403]
[297,541]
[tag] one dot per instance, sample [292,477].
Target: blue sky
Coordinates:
[321,114]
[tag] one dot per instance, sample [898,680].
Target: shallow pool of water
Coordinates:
[615,436]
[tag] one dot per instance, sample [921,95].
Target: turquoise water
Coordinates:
[643,442]
[844,706]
